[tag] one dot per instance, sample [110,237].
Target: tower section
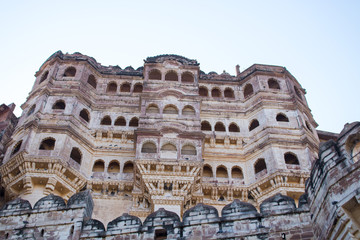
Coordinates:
[169,138]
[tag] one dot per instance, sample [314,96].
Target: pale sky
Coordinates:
[317,41]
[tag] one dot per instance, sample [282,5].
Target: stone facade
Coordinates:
[158,143]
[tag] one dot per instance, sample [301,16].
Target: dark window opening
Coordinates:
[273,84]
[138,88]
[254,124]
[59,105]
[229,93]
[92,81]
[234,128]
[291,159]
[205,126]
[215,92]
[111,88]
[134,122]
[282,118]
[203,92]
[187,77]
[125,87]
[248,90]
[16,147]
[44,76]
[84,114]
[106,121]
[120,121]
[76,155]
[219,127]
[155,74]
[171,76]
[70,72]
[160,234]
[260,165]
[47,144]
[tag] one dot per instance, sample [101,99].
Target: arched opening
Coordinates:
[155,74]
[70,72]
[221,172]
[152,108]
[114,167]
[355,152]
[120,121]
[188,150]
[84,114]
[260,165]
[170,109]
[148,147]
[44,76]
[291,158]
[254,124]
[237,173]
[125,87]
[106,121]
[205,126]
[134,122]
[160,234]
[203,91]
[31,110]
[111,88]
[99,166]
[282,118]
[297,91]
[128,167]
[219,127]
[207,171]
[59,104]
[234,128]
[171,76]
[273,84]
[138,88]
[47,144]
[187,77]
[248,90]
[188,111]
[229,93]
[308,126]
[76,155]
[169,147]
[92,81]
[215,93]
[17,147]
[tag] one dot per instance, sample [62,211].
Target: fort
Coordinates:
[167,151]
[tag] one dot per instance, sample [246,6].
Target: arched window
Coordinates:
[125,87]
[236,172]
[111,88]
[134,122]
[31,110]
[169,147]
[260,165]
[282,118]
[128,167]
[44,76]
[152,108]
[297,91]
[114,167]
[188,111]
[248,90]
[59,104]
[308,125]
[254,124]
[138,88]
[120,121]
[207,171]
[233,128]
[170,109]
[148,147]
[17,147]
[106,121]
[355,152]
[273,84]
[221,172]
[188,150]
[171,76]
[70,72]
[99,166]
[76,155]
[215,92]
[205,126]
[291,158]
[203,91]
[219,127]
[229,93]
[84,114]
[155,74]
[47,144]
[92,81]
[187,77]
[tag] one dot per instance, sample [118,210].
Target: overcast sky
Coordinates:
[317,41]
